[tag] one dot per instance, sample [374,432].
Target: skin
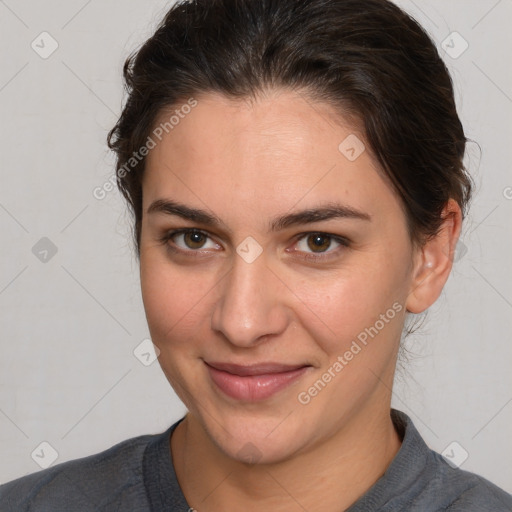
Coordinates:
[247,163]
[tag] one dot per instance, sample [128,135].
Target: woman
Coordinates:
[295,173]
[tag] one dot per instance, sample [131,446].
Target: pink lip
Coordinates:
[254,382]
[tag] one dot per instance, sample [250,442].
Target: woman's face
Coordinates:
[276,325]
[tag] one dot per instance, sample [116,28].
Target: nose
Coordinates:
[251,305]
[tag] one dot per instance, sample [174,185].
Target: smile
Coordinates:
[255,382]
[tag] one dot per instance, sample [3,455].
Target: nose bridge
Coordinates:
[249,308]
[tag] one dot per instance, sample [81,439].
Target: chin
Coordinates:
[254,439]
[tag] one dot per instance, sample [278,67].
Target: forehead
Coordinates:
[278,123]
[282,147]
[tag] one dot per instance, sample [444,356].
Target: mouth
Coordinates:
[255,382]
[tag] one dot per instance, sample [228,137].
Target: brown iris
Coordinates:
[194,239]
[318,241]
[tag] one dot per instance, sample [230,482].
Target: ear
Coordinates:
[434,260]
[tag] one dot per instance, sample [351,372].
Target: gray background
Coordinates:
[70,323]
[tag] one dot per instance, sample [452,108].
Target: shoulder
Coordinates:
[103,481]
[420,479]
[466,491]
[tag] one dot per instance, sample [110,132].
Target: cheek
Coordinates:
[348,305]
[175,302]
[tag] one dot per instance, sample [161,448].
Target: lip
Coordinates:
[254,382]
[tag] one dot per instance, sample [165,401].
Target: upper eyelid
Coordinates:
[176,232]
[325,233]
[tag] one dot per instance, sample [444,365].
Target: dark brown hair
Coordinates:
[365,57]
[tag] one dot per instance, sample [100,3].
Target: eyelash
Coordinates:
[344,243]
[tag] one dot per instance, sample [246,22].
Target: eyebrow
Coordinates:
[325,212]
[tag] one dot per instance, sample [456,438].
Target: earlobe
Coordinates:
[434,261]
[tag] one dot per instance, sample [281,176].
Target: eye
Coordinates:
[317,244]
[188,240]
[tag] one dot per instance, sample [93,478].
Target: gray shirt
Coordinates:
[137,475]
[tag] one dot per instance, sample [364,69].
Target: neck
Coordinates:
[330,476]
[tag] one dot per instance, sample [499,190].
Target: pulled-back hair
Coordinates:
[366,58]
